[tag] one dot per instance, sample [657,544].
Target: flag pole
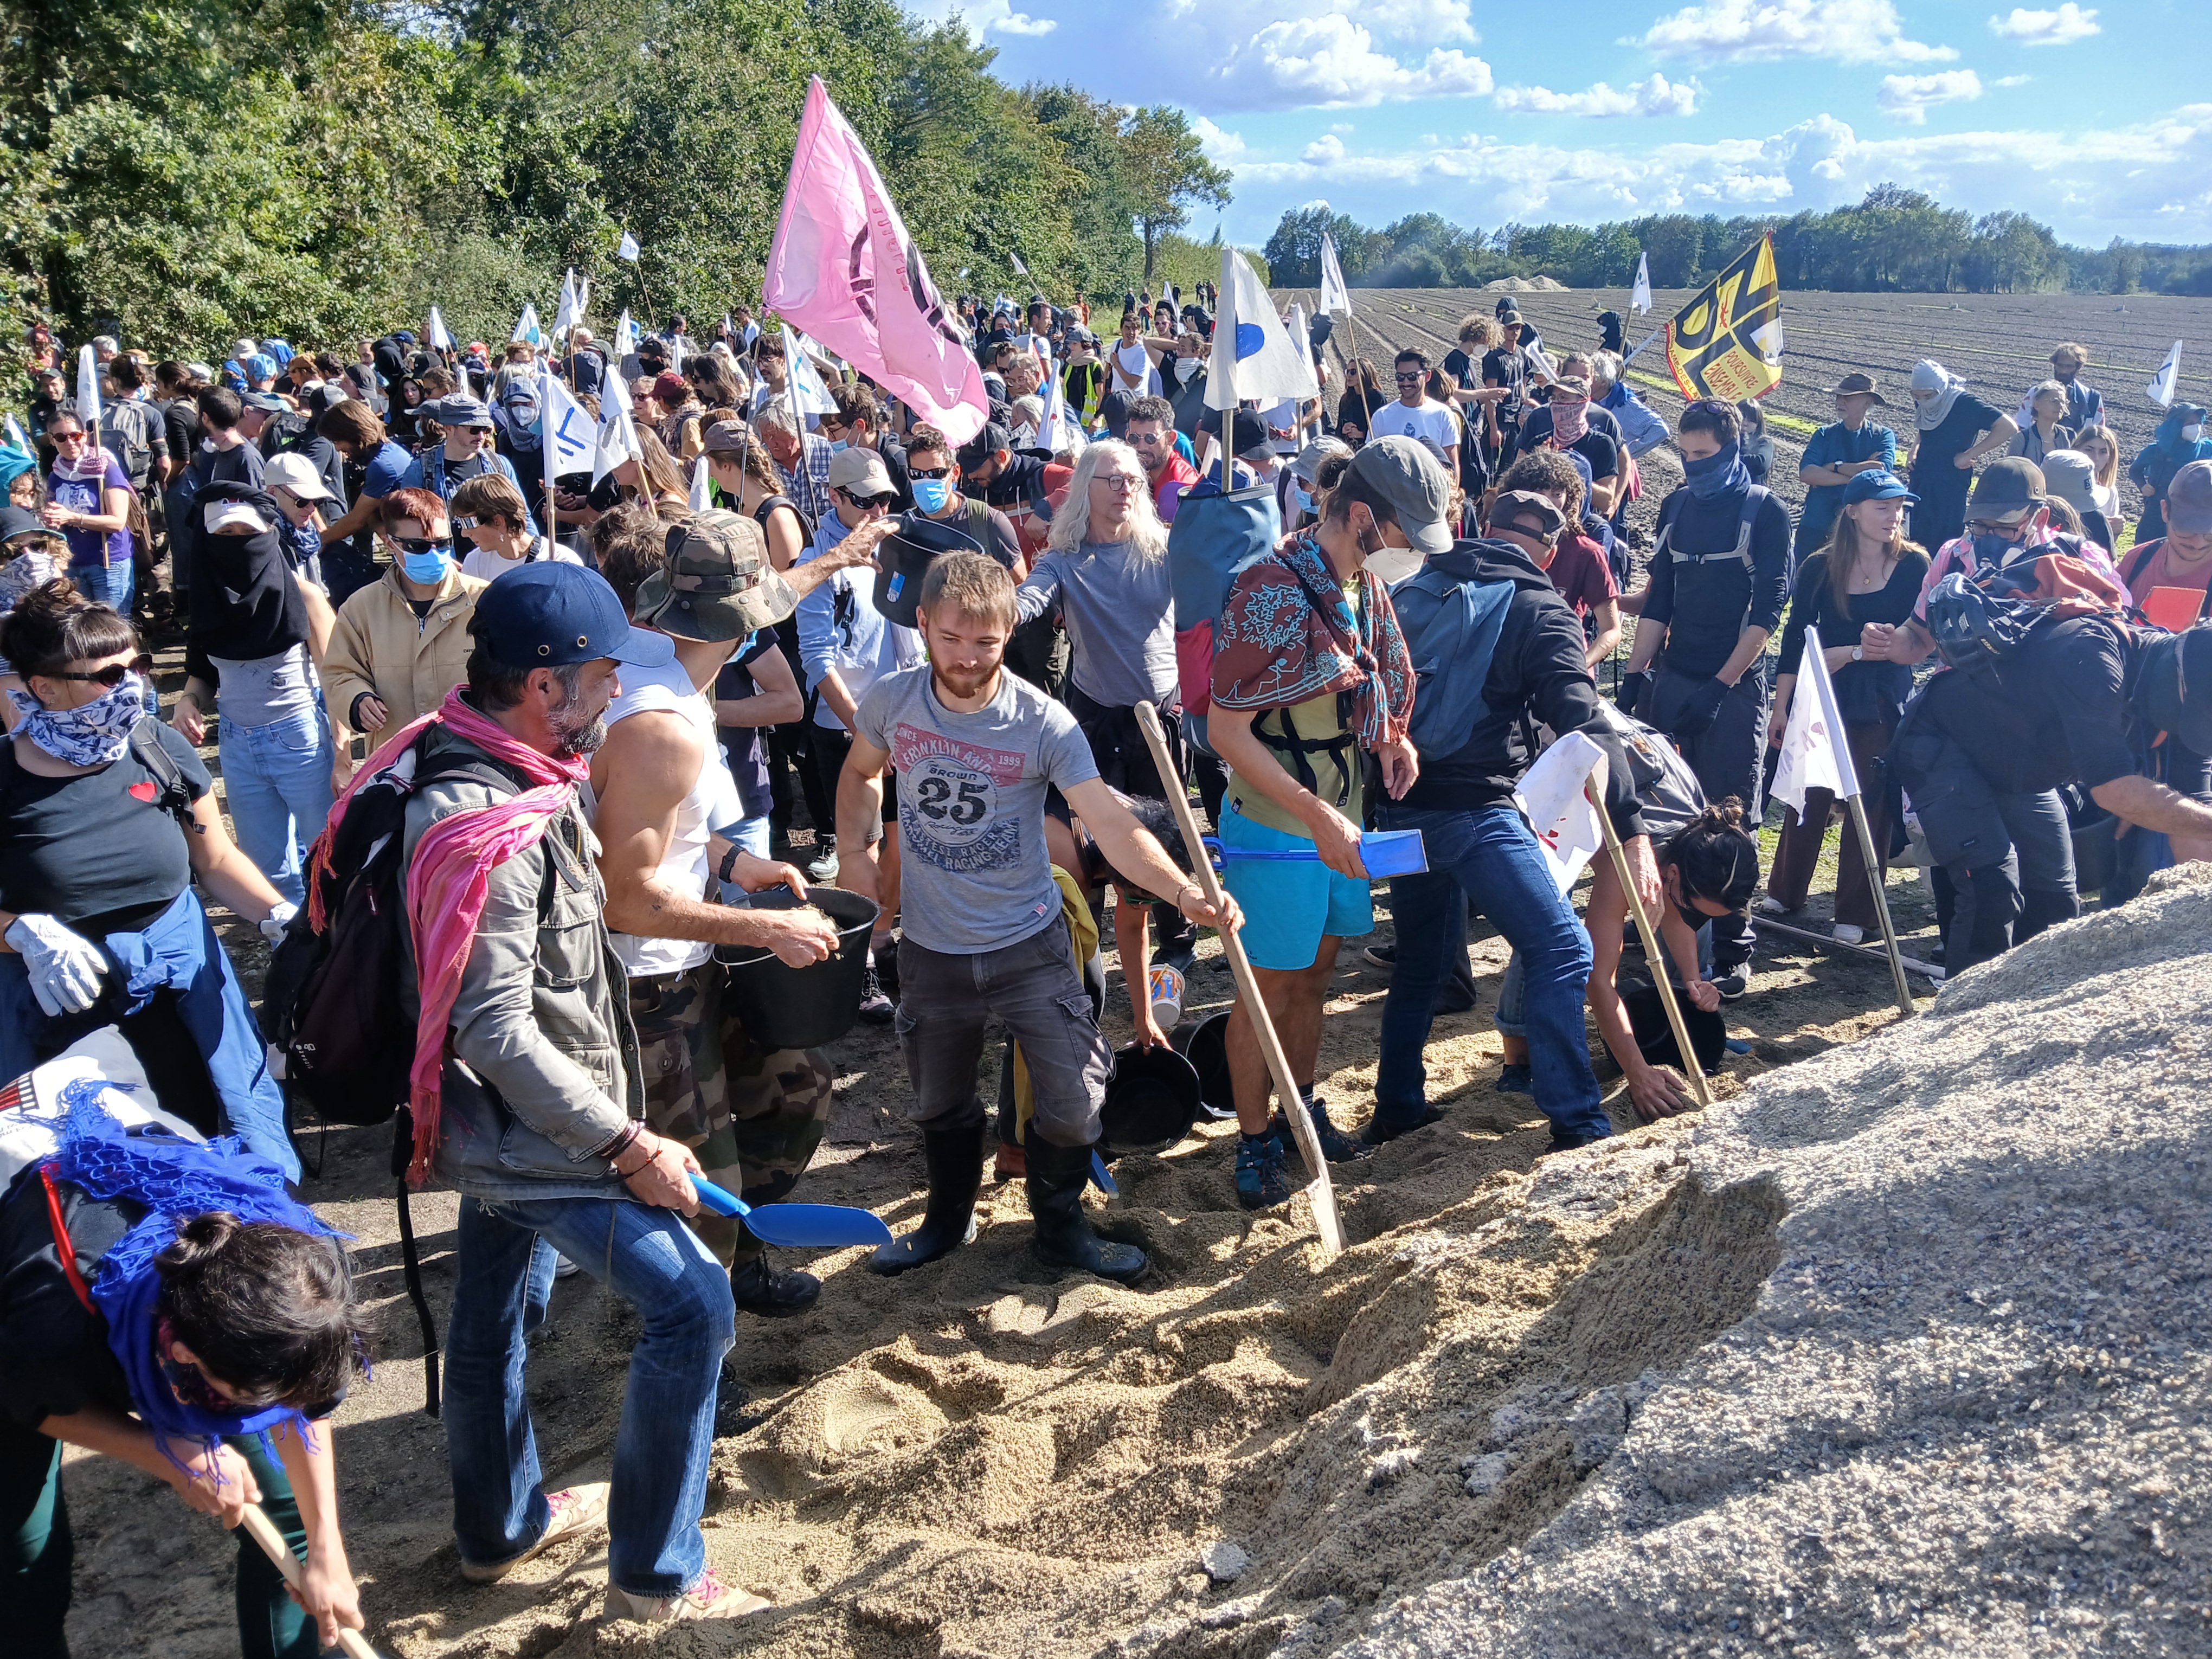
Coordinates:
[1881,906]
[1653,955]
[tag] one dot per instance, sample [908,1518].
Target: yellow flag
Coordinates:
[1726,343]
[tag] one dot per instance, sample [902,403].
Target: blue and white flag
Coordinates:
[571,440]
[625,340]
[15,436]
[807,393]
[525,326]
[618,435]
[1261,362]
[2162,384]
[571,310]
[629,248]
[1641,299]
[440,339]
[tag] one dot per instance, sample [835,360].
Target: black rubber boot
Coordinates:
[955,1157]
[770,1293]
[1064,1239]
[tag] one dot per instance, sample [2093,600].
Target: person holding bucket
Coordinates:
[976,748]
[753,1114]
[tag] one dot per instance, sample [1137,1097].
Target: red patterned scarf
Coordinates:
[1276,647]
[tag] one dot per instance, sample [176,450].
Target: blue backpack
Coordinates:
[1212,538]
[1451,628]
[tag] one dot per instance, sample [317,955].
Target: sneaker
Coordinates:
[1732,985]
[1336,1147]
[1772,907]
[564,1268]
[1514,1080]
[575,1512]
[707,1598]
[1384,956]
[1260,1179]
[883,952]
[1847,934]
[876,1008]
[1379,1133]
[823,866]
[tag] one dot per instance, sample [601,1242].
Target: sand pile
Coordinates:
[1524,285]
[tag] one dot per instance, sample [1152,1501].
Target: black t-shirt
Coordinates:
[54,1357]
[746,745]
[1706,604]
[180,426]
[2054,711]
[94,851]
[1459,369]
[1507,367]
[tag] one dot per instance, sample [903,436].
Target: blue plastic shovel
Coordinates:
[1384,852]
[1103,1181]
[812,1226]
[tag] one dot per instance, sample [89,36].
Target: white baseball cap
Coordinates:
[221,515]
[297,476]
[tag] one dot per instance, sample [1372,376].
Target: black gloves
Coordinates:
[1698,710]
[1634,688]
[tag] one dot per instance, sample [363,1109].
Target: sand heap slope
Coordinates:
[1969,1410]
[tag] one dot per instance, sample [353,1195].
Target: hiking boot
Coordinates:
[1012,1161]
[876,1008]
[823,864]
[955,1160]
[1514,1080]
[1336,1147]
[771,1292]
[1064,1239]
[1262,1180]
[1381,1133]
[707,1598]
[1733,984]
[575,1512]
[883,953]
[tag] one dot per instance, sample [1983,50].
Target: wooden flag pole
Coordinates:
[1366,397]
[1654,956]
[264,1532]
[1322,1191]
[1881,908]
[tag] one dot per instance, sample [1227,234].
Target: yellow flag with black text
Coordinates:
[1726,342]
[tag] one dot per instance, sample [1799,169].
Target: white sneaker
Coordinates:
[564,1268]
[1847,934]
[577,1510]
[1770,907]
[707,1598]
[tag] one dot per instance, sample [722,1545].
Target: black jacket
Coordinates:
[1537,677]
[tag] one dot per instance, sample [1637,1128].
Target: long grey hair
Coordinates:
[1071,523]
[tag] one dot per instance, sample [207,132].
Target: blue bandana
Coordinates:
[92,734]
[1721,473]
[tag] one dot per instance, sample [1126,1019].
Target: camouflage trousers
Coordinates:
[753,1116]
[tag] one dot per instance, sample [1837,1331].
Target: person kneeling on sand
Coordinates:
[975,748]
[528,1101]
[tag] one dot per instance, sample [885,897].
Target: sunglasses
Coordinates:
[1409,379]
[412,545]
[111,677]
[865,502]
[466,523]
[929,471]
[66,437]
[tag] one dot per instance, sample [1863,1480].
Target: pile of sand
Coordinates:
[1524,285]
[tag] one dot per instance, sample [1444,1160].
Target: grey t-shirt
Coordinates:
[1121,620]
[266,689]
[973,875]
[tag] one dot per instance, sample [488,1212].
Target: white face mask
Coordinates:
[2193,432]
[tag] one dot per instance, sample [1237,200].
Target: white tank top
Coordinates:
[683,866]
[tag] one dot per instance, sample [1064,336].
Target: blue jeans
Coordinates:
[653,1262]
[277,777]
[105,584]
[1491,857]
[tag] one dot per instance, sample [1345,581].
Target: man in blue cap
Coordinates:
[536,1116]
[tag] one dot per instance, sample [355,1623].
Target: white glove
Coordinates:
[65,966]
[272,925]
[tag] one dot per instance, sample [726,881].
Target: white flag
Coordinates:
[1334,296]
[1814,753]
[625,340]
[1262,361]
[1550,794]
[808,395]
[88,391]
[571,442]
[440,339]
[629,248]
[15,436]
[617,438]
[1056,432]
[1641,299]
[1020,269]
[571,311]
[2162,384]
[525,326]
[614,390]
[701,485]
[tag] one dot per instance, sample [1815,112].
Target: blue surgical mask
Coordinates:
[1305,498]
[428,569]
[932,495]
[838,445]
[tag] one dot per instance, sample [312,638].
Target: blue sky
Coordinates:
[2096,119]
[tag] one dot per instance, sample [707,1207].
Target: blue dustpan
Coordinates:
[1384,852]
[812,1226]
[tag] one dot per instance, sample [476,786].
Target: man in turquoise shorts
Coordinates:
[1310,673]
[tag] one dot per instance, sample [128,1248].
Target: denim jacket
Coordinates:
[542,1068]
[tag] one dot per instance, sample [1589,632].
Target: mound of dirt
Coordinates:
[1972,1409]
[1524,285]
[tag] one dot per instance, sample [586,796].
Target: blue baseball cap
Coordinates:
[547,615]
[1878,486]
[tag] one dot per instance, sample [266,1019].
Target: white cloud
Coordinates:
[1419,20]
[996,17]
[1910,97]
[1223,148]
[2012,80]
[1020,22]
[1330,63]
[2062,28]
[1324,151]
[1341,126]
[1656,96]
[1764,31]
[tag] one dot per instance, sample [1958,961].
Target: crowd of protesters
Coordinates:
[610,703]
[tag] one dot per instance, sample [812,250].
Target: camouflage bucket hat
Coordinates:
[718,584]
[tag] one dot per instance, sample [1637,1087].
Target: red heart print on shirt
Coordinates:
[142,792]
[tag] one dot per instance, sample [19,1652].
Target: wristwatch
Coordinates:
[1858,654]
[729,862]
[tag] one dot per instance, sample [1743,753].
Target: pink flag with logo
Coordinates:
[843,269]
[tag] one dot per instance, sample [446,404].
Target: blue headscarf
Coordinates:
[175,1180]
[2169,439]
[1720,474]
[14,462]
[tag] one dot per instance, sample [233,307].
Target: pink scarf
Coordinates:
[90,466]
[448,881]
[1570,421]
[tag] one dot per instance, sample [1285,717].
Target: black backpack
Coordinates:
[332,1006]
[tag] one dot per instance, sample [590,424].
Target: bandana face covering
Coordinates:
[94,734]
[1720,473]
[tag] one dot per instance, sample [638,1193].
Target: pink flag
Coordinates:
[843,269]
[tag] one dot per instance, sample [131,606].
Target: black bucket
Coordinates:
[784,1007]
[1151,1100]
[902,560]
[1655,1033]
[2096,853]
[1205,1044]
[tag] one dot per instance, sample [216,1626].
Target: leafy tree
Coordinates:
[1168,173]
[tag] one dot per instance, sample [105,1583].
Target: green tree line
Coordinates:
[1895,240]
[327,169]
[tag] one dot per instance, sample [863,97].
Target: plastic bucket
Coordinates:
[902,560]
[2096,853]
[1205,1044]
[784,1007]
[1151,1100]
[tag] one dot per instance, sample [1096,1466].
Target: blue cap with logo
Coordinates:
[547,615]
[1877,486]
